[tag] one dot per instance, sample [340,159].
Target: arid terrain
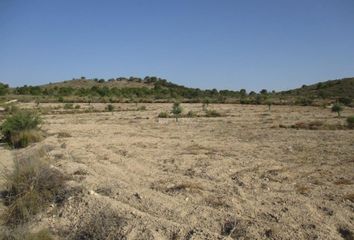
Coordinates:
[239,176]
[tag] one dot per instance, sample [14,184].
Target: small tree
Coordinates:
[337,108]
[4,88]
[205,104]
[176,110]
[269,102]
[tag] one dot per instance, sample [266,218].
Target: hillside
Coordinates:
[340,88]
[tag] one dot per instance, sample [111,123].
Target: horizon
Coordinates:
[273,45]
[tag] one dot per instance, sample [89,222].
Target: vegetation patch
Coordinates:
[110,108]
[350,122]
[349,197]
[21,233]
[163,115]
[103,224]
[191,114]
[338,108]
[29,188]
[141,108]
[68,106]
[21,128]
[64,135]
[212,113]
[314,125]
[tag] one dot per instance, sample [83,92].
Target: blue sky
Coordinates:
[223,44]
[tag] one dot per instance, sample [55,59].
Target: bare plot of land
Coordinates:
[233,177]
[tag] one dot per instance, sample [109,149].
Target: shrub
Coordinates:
[337,108]
[141,108]
[68,106]
[304,101]
[24,138]
[191,114]
[163,115]
[345,101]
[4,88]
[77,106]
[269,102]
[103,224]
[350,122]
[21,128]
[212,113]
[30,187]
[244,101]
[176,110]
[110,108]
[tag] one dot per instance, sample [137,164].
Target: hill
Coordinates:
[340,88]
[154,89]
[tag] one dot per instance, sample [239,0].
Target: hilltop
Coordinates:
[113,82]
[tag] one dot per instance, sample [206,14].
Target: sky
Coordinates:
[222,44]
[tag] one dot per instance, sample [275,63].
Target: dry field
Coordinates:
[240,176]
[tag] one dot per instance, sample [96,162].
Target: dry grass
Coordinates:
[216,201]
[24,138]
[314,125]
[349,197]
[302,189]
[29,188]
[174,188]
[104,224]
[21,233]
[343,181]
[184,187]
[64,135]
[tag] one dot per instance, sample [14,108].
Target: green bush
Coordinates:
[176,110]
[21,128]
[350,122]
[77,106]
[337,108]
[31,186]
[4,88]
[163,115]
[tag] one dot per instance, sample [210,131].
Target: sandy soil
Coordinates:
[233,177]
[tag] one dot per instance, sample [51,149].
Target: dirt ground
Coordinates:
[234,177]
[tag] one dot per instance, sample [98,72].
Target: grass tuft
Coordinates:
[212,113]
[29,188]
